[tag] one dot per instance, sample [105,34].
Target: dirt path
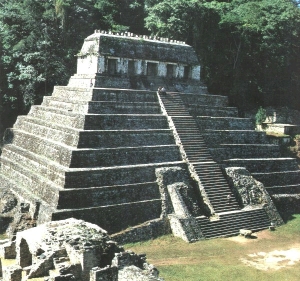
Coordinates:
[273,260]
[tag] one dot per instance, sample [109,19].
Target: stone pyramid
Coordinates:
[108,149]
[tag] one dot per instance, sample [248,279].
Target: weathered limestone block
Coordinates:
[42,267]
[124,259]
[12,273]
[183,225]
[134,267]
[245,232]
[169,175]
[186,228]
[180,209]
[8,201]
[142,232]
[134,273]
[109,273]
[67,277]
[180,200]
[250,192]
[74,250]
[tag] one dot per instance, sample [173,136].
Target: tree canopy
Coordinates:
[249,50]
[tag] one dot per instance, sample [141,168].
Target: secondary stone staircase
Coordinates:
[229,224]
[231,218]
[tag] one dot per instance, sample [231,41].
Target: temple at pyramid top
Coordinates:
[131,61]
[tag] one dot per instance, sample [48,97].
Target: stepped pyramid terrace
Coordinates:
[110,150]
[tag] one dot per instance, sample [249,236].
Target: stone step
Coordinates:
[101,157]
[8,183]
[31,181]
[224,123]
[114,218]
[84,177]
[228,151]
[124,156]
[103,94]
[278,178]
[44,129]
[213,183]
[94,138]
[51,170]
[212,168]
[125,138]
[192,139]
[107,195]
[103,107]
[197,159]
[117,175]
[205,110]
[221,203]
[54,151]
[214,138]
[231,223]
[197,147]
[197,153]
[194,145]
[212,100]
[100,121]
[264,164]
[215,192]
[284,189]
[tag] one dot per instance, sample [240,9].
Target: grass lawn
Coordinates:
[268,256]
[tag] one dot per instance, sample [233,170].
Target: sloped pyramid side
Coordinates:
[90,154]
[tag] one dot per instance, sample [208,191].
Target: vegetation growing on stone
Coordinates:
[260,116]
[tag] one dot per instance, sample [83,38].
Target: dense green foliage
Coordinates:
[249,50]
[39,41]
[260,116]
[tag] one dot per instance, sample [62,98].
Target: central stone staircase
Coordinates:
[230,216]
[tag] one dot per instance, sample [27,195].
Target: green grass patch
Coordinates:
[221,259]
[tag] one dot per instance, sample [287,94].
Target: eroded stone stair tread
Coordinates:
[104,94]
[7,182]
[100,121]
[231,223]
[84,177]
[92,138]
[264,164]
[103,106]
[30,181]
[284,189]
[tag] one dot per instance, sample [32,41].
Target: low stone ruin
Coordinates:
[251,193]
[71,250]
